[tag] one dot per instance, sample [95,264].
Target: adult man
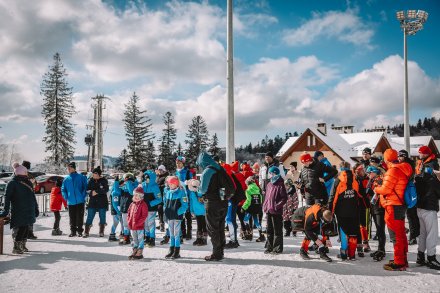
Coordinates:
[320,157]
[74,192]
[269,161]
[413,219]
[366,155]
[216,188]
[428,191]
[392,199]
[312,178]
[184,174]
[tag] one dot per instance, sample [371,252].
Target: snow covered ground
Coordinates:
[63,264]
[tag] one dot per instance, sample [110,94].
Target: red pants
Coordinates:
[401,243]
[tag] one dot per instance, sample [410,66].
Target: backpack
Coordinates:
[410,195]
[298,219]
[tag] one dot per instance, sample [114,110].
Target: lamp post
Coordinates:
[411,22]
[230,124]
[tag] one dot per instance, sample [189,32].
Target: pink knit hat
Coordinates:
[139,191]
[19,169]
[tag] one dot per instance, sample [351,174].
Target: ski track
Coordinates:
[63,264]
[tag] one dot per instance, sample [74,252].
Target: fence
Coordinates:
[43,201]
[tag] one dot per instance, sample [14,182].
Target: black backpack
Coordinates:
[298,219]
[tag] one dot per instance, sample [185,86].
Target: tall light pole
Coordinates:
[230,124]
[411,22]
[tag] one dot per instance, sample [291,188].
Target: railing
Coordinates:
[43,201]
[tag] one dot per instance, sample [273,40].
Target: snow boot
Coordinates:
[56,232]
[165,240]
[72,234]
[304,255]
[112,237]
[138,254]
[261,238]
[151,243]
[176,253]
[198,239]
[379,255]
[146,239]
[323,255]
[366,246]
[18,249]
[101,230]
[232,244]
[243,234]
[31,235]
[432,263]
[314,248]
[170,252]
[86,231]
[23,246]
[421,258]
[360,250]
[125,240]
[133,253]
[213,257]
[391,266]
[343,254]
[204,239]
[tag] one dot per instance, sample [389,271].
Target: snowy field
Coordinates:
[63,264]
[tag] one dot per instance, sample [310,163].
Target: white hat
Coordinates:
[162,168]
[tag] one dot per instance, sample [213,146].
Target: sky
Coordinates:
[296,63]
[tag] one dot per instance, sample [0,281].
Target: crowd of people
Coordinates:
[341,201]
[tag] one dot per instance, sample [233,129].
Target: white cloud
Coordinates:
[345,26]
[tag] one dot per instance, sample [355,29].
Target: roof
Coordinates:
[286,146]
[339,145]
[415,142]
[437,144]
[360,140]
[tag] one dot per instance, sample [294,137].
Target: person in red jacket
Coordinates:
[392,199]
[137,214]
[56,199]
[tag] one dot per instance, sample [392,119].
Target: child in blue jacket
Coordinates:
[153,198]
[197,208]
[175,206]
[115,211]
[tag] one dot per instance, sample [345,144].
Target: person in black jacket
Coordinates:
[311,179]
[216,188]
[98,201]
[20,199]
[162,174]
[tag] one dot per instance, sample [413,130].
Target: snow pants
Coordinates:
[174,227]
[231,220]
[428,231]
[274,233]
[116,220]
[215,222]
[395,220]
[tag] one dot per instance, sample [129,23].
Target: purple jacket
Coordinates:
[275,198]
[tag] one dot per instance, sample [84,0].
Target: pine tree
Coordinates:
[214,150]
[197,138]
[150,157]
[167,142]
[121,161]
[179,150]
[138,133]
[57,111]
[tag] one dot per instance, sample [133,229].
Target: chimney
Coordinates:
[322,127]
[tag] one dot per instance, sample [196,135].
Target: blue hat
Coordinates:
[372,169]
[274,170]
[317,154]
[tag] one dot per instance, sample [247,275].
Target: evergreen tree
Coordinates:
[179,150]
[167,142]
[419,124]
[57,111]
[214,150]
[150,157]
[197,138]
[121,161]
[138,133]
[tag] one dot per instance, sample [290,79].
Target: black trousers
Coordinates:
[413,221]
[287,226]
[201,224]
[56,225]
[274,233]
[186,227]
[379,219]
[215,222]
[160,213]
[22,233]
[76,216]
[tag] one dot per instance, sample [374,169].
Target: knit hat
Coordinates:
[403,153]
[366,151]
[304,158]
[139,191]
[269,154]
[128,176]
[19,169]
[26,164]
[180,159]
[425,150]
[162,168]
[317,154]
[173,180]
[372,169]
[255,166]
[274,170]
[97,170]
[72,165]
[390,155]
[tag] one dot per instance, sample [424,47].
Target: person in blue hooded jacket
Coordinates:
[153,198]
[197,208]
[329,183]
[175,206]
[115,195]
[74,191]
[184,174]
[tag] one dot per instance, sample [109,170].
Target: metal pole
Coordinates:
[230,145]
[406,132]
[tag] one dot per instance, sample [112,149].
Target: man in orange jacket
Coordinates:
[392,199]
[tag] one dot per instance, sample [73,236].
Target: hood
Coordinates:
[227,168]
[246,168]
[235,166]
[405,168]
[204,160]
[253,189]
[151,174]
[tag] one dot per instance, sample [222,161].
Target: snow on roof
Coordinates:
[360,140]
[437,144]
[415,142]
[339,145]
[289,142]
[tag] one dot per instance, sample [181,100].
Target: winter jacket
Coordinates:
[239,196]
[329,183]
[215,184]
[291,204]
[365,201]
[161,181]
[429,196]
[264,173]
[125,193]
[309,179]
[254,199]
[74,188]
[344,197]
[100,200]
[20,200]
[276,197]
[183,175]
[240,177]
[56,199]
[429,162]
[137,214]
[394,183]
[196,207]
[369,191]
[175,204]
[115,198]
[312,220]
[152,194]
[246,171]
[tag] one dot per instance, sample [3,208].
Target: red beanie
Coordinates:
[304,158]
[173,180]
[425,150]
[390,155]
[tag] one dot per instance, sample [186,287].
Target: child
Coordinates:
[252,208]
[137,214]
[175,206]
[56,199]
[290,207]
[115,212]
[152,198]
[197,208]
